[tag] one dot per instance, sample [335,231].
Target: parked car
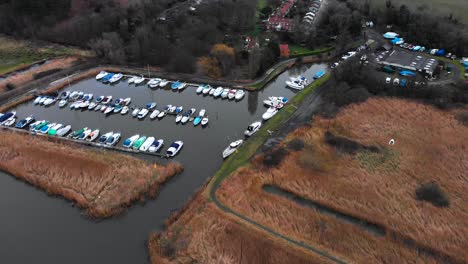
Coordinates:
[334,65]
[388,80]
[396,81]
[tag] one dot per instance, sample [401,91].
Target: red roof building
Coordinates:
[284,50]
[278,20]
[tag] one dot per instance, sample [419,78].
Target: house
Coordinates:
[284,50]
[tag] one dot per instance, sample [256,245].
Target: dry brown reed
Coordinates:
[380,188]
[104,183]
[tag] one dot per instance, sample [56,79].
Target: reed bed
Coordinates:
[27,76]
[430,146]
[103,183]
[203,234]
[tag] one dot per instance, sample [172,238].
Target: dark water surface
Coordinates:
[37,228]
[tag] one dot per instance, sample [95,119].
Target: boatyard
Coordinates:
[143,112]
[228,120]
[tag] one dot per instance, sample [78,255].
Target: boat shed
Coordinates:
[412,61]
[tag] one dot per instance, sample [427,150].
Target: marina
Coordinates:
[62,224]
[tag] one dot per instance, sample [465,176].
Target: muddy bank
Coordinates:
[100,182]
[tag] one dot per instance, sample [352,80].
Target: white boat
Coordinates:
[63,131]
[49,101]
[136,111]
[253,128]
[63,103]
[113,139]
[179,118]
[126,101]
[88,97]
[116,78]
[33,125]
[179,109]
[239,95]
[37,100]
[145,146]
[142,114]
[85,134]
[131,79]
[10,121]
[206,89]
[73,95]
[153,83]
[200,89]
[99,99]
[156,145]
[218,91]
[225,93]
[24,122]
[182,86]
[155,114]
[129,141]
[84,105]
[172,109]
[108,110]
[185,118]
[174,148]
[232,148]
[124,110]
[56,127]
[204,121]
[41,101]
[101,75]
[163,83]
[107,99]
[91,105]
[98,107]
[93,135]
[65,95]
[161,115]
[139,80]
[298,83]
[212,91]
[232,94]
[103,109]
[202,113]
[270,113]
[103,139]
[151,106]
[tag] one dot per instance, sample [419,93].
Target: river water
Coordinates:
[36,227]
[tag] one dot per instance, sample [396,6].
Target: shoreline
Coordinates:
[101,183]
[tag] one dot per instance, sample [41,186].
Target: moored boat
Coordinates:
[139,142]
[174,148]
[253,128]
[239,94]
[101,75]
[142,114]
[63,131]
[156,145]
[113,139]
[103,139]
[232,148]
[145,146]
[270,113]
[218,91]
[154,114]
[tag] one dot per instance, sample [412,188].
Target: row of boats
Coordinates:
[107,77]
[224,93]
[274,105]
[300,82]
[136,142]
[105,104]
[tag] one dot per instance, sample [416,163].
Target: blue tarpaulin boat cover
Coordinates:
[440,52]
[407,73]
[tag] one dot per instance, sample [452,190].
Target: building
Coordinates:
[284,51]
[278,20]
[407,60]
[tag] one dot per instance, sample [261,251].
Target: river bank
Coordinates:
[102,183]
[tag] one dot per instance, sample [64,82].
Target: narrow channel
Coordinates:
[35,226]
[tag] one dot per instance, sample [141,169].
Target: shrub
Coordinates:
[463,118]
[274,157]
[10,86]
[296,144]
[431,192]
[45,73]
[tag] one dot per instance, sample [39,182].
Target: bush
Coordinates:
[39,75]
[342,144]
[296,144]
[10,86]
[431,192]
[274,157]
[463,118]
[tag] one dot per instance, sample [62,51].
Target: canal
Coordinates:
[36,227]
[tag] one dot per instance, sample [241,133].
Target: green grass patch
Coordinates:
[243,155]
[386,159]
[298,51]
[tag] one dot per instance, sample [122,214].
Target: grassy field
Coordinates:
[299,51]
[378,187]
[17,54]
[458,7]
